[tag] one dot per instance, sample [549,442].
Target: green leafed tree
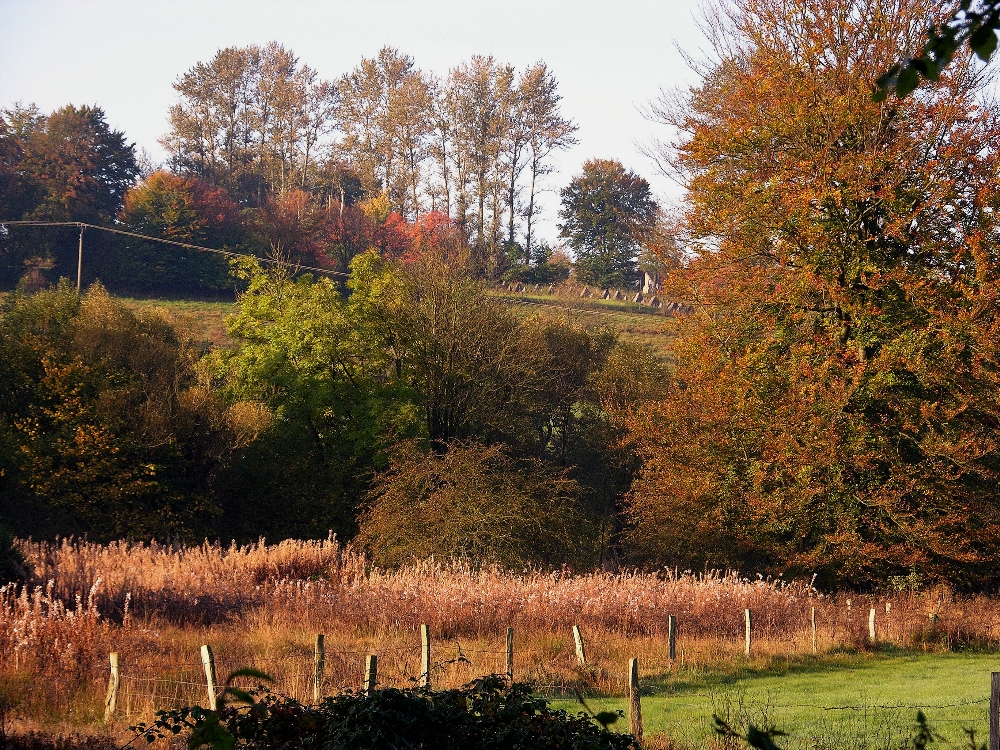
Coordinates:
[606,213]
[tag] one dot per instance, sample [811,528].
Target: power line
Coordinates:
[84,225]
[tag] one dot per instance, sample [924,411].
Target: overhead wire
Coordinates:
[186,245]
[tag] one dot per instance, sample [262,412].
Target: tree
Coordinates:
[606,214]
[310,360]
[481,95]
[66,166]
[183,209]
[384,111]
[548,132]
[834,407]
[112,435]
[251,120]
[453,347]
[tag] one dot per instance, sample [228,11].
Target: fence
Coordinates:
[132,693]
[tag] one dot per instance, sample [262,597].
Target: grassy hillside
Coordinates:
[633,322]
[205,321]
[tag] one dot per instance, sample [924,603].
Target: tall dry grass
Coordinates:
[260,605]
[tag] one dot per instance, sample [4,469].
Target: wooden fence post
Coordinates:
[510,654]
[114,684]
[208,661]
[871,625]
[634,702]
[581,652]
[425,656]
[812,617]
[319,662]
[371,673]
[672,636]
[995,711]
[748,623]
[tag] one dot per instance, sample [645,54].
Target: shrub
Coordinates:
[473,502]
[484,715]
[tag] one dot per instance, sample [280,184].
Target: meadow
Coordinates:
[262,605]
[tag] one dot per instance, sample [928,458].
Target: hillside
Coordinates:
[205,321]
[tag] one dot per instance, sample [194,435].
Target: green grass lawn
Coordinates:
[836,701]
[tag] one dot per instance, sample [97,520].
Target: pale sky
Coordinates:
[610,58]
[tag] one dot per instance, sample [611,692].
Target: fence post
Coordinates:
[208,661]
[510,654]
[371,673]
[319,662]
[425,656]
[871,625]
[672,636]
[634,703]
[995,711]
[812,617]
[111,702]
[581,652]
[748,622]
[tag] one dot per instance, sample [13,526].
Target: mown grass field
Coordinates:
[836,700]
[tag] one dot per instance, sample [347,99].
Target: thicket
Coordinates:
[486,714]
[414,390]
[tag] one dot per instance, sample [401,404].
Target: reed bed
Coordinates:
[261,605]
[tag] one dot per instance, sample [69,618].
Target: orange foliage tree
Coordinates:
[834,406]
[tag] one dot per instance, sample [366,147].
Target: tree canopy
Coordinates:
[834,406]
[606,214]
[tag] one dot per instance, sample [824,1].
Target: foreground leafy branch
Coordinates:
[973,22]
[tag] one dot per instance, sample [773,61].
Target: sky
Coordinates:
[610,58]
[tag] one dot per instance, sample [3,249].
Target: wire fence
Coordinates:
[145,688]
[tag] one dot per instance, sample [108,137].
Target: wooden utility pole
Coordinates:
[79,261]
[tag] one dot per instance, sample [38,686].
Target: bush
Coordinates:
[474,502]
[12,564]
[484,715]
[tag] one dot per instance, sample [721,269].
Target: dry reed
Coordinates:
[260,605]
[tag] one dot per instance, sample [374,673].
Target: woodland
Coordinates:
[828,410]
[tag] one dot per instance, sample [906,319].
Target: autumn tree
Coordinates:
[384,111]
[252,120]
[477,503]
[183,209]
[547,131]
[70,165]
[833,408]
[111,434]
[606,214]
